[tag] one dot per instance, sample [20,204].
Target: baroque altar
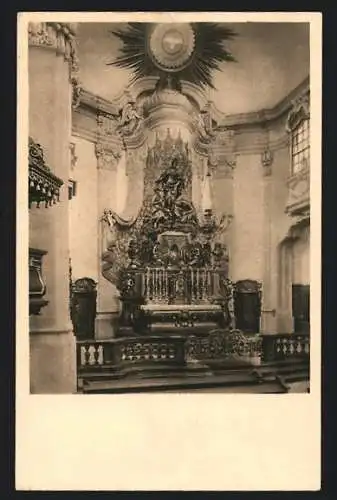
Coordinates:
[168,264]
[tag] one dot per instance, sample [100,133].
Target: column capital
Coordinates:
[107,158]
[60,37]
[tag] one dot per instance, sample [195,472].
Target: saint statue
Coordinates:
[173,257]
[171,182]
[128,119]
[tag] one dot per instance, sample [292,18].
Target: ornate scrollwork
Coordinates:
[155,351]
[300,110]
[44,186]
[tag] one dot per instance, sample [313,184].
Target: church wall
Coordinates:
[223,201]
[83,213]
[248,242]
[279,224]
[301,259]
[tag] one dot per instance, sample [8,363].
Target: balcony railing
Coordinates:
[299,191]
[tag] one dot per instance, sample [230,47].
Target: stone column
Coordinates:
[268,313]
[285,322]
[53,83]
[107,294]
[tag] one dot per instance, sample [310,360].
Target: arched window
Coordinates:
[300,146]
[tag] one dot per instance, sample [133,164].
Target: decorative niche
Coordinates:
[37,286]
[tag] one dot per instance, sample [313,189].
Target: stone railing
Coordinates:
[285,346]
[115,354]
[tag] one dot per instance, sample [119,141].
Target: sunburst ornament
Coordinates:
[171,46]
[186,51]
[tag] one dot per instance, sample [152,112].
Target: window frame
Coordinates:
[301,128]
[298,115]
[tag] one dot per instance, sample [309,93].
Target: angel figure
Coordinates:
[129,119]
[203,121]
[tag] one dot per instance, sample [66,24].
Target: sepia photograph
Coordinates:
[169,207]
[169,245]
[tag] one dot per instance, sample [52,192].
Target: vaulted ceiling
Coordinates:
[272,59]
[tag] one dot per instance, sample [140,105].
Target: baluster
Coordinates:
[146,284]
[142,285]
[161,285]
[86,354]
[192,286]
[166,286]
[209,284]
[204,290]
[199,284]
[96,354]
[153,284]
[157,285]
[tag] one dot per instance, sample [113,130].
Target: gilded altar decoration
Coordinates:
[187,51]
[170,210]
[44,186]
[171,45]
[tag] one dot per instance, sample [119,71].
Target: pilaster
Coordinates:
[53,67]
[268,312]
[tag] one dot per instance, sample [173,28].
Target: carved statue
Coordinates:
[160,253]
[196,253]
[133,253]
[206,254]
[220,256]
[203,122]
[168,205]
[171,183]
[129,119]
[173,256]
[186,253]
[160,211]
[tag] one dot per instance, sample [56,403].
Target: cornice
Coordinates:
[265,115]
[94,102]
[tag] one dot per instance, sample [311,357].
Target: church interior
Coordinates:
[169,207]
